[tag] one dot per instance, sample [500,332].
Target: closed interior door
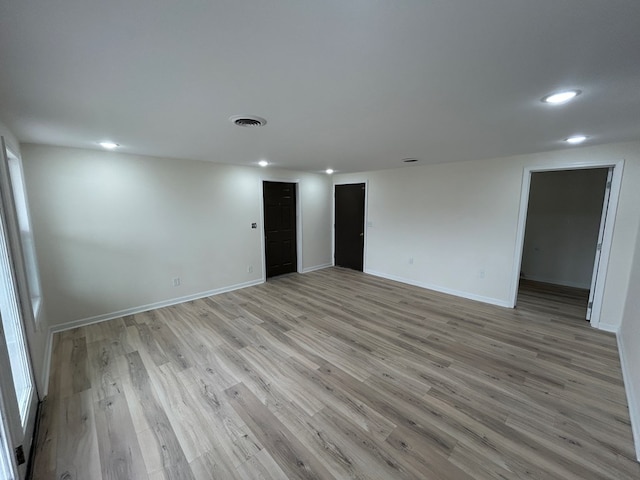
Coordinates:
[280,228]
[349,225]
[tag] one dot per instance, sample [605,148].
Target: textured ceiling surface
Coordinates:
[354,85]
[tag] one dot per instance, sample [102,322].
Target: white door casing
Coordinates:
[598,255]
[18,395]
[607,226]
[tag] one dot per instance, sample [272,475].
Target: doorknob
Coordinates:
[362,234]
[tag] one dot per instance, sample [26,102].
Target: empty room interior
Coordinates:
[320,240]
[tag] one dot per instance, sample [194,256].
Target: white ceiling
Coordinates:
[354,85]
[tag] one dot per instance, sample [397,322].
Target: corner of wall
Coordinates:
[316,267]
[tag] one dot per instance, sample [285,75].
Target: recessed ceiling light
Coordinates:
[263,163]
[108,145]
[561,97]
[329,171]
[576,139]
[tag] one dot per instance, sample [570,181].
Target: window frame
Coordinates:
[21,237]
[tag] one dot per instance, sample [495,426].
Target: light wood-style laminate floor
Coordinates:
[337,374]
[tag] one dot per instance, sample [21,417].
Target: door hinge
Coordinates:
[590,305]
[20,455]
[608,184]
[599,247]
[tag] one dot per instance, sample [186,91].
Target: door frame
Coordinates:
[10,427]
[604,213]
[616,183]
[16,432]
[367,225]
[298,223]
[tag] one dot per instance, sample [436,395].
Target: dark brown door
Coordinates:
[349,215]
[280,228]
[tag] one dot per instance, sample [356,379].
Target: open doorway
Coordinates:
[561,235]
[565,232]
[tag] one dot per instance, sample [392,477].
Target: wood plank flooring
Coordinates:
[337,374]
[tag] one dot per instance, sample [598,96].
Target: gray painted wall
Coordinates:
[563,221]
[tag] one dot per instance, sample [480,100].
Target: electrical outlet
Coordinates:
[176,282]
[411,261]
[250,269]
[482,273]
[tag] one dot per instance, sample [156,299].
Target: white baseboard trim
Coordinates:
[448,291]
[316,267]
[553,281]
[607,327]
[632,401]
[128,311]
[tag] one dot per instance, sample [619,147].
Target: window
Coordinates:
[26,233]
[12,331]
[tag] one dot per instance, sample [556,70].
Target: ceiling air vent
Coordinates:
[409,160]
[248,121]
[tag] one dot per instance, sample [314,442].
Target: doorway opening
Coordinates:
[349,216]
[565,230]
[280,228]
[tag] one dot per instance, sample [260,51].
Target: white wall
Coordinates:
[113,230]
[563,221]
[629,344]
[458,221]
